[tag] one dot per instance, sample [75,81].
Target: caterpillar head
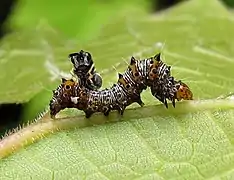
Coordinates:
[62,96]
[170,89]
[183,92]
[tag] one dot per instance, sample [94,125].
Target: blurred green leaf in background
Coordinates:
[229,3]
[80,19]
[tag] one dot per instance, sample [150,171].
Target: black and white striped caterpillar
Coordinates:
[140,74]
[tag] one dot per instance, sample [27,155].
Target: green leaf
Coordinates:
[193,141]
[23,63]
[83,19]
[151,143]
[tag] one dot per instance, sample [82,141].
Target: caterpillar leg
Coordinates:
[162,99]
[173,102]
[165,103]
[55,108]
[52,115]
[106,111]
[140,102]
[121,110]
[88,113]
[156,92]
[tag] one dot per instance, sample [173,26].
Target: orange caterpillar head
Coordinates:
[62,96]
[170,89]
[183,92]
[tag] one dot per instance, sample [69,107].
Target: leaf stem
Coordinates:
[45,125]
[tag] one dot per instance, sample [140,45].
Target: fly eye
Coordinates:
[67,87]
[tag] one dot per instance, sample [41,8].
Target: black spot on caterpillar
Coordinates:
[84,69]
[140,74]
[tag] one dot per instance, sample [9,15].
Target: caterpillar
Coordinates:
[84,69]
[140,74]
[172,90]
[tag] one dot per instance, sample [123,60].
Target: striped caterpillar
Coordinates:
[140,74]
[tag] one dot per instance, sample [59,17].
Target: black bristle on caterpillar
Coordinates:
[140,74]
[85,71]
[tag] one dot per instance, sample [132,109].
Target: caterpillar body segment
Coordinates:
[62,97]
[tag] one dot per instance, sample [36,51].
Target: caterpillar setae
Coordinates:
[140,74]
[85,71]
